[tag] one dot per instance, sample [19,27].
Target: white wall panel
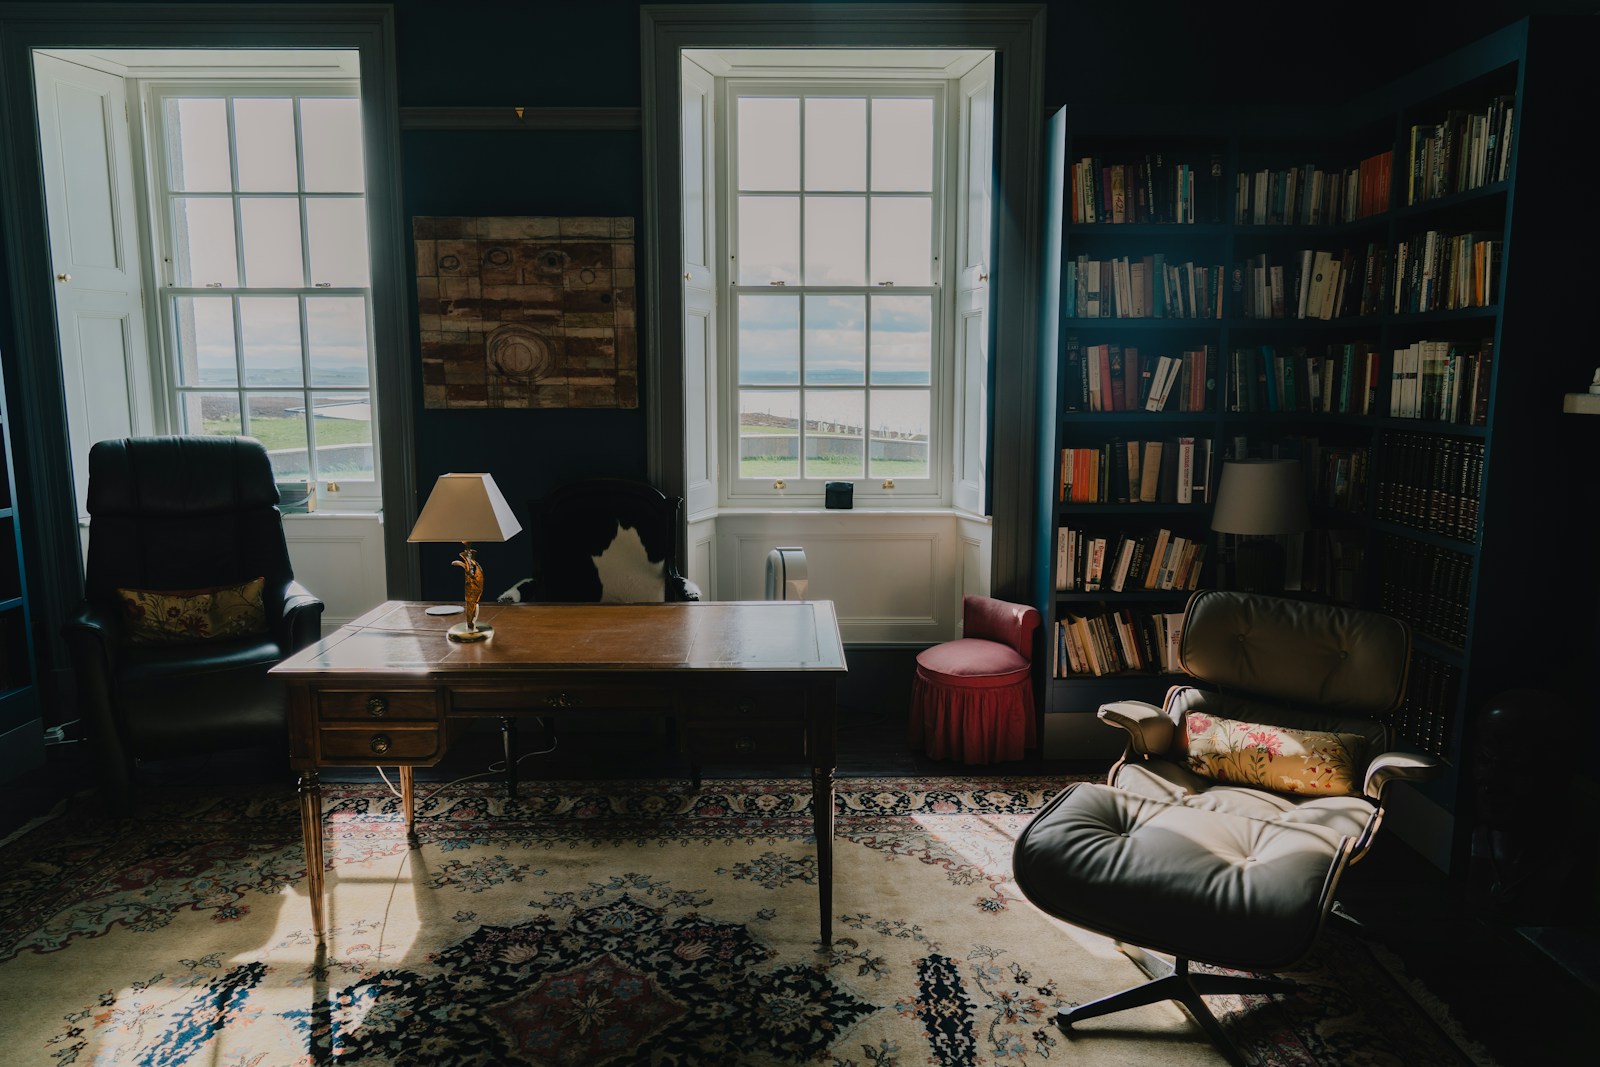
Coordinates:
[340,559]
[893,578]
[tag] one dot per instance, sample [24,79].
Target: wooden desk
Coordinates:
[753,680]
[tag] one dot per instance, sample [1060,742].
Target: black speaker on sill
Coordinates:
[839,494]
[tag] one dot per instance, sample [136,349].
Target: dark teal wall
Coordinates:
[585,53]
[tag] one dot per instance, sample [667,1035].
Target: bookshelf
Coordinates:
[1414,389]
[20,745]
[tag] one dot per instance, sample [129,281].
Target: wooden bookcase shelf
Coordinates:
[1507,480]
[19,702]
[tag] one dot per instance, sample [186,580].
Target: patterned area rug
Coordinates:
[604,924]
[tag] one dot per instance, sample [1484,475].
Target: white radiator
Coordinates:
[786,574]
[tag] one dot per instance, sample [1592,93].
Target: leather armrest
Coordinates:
[1149,729]
[1399,767]
[94,636]
[302,619]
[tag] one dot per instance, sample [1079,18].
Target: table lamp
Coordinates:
[466,508]
[1259,499]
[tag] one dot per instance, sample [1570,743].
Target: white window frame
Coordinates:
[353,494]
[869,491]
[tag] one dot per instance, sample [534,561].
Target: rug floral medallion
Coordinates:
[595,924]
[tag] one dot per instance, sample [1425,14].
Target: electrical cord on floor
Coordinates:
[497,767]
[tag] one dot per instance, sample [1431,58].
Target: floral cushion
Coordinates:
[1273,757]
[157,616]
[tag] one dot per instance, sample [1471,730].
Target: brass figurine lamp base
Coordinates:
[471,629]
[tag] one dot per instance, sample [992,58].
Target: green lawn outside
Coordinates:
[839,467]
[290,433]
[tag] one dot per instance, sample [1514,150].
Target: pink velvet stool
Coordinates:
[972,699]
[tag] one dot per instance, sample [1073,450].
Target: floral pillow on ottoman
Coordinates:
[156,616]
[1273,757]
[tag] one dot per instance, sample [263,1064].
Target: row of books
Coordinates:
[1446,381]
[1468,150]
[1424,716]
[1335,474]
[1338,379]
[1331,564]
[1150,189]
[1428,586]
[1174,470]
[1112,641]
[1313,283]
[1127,562]
[1430,482]
[1310,196]
[1141,287]
[1440,271]
[1117,377]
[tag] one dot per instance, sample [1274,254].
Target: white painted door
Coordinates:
[975,157]
[94,255]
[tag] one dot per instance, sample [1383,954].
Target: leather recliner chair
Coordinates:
[183,513]
[1222,833]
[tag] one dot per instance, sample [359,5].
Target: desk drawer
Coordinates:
[377,745]
[365,705]
[559,697]
[765,707]
[753,741]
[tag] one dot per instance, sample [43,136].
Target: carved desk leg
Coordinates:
[311,831]
[822,826]
[408,804]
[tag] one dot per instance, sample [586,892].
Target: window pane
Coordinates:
[899,439]
[902,340]
[202,237]
[769,433]
[769,340]
[336,230]
[902,239]
[836,340]
[833,433]
[197,145]
[336,330]
[270,329]
[272,242]
[836,240]
[343,425]
[769,239]
[902,146]
[836,144]
[263,134]
[205,340]
[330,137]
[769,143]
[279,422]
[213,414]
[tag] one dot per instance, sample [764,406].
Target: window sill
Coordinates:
[902,513]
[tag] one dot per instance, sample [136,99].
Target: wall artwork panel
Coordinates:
[527,312]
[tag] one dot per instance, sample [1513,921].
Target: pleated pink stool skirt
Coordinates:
[972,700]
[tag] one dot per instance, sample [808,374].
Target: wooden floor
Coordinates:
[1507,996]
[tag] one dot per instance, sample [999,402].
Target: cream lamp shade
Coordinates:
[1261,497]
[465,507]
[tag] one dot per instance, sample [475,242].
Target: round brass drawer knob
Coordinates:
[562,700]
[380,743]
[377,707]
[744,744]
